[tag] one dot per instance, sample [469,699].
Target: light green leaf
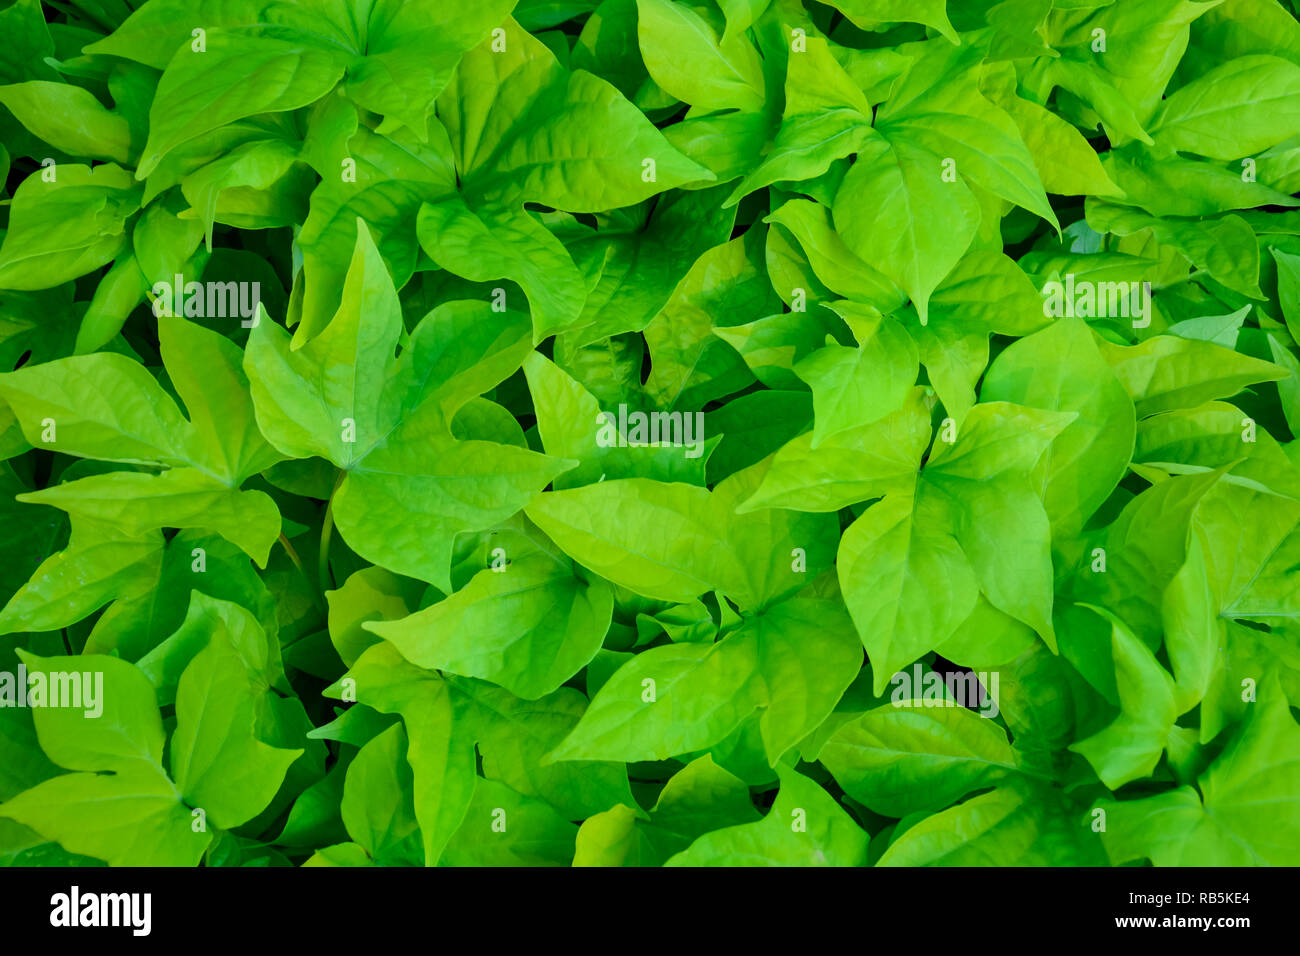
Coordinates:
[668,700]
[370,594]
[569,422]
[404,505]
[673,542]
[304,412]
[855,466]
[612,838]
[868,14]
[514,737]
[441,757]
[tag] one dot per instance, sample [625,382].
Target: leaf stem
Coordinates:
[326,532]
[316,596]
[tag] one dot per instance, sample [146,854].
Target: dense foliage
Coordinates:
[530,432]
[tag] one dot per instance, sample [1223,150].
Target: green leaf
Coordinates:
[854,466]
[304,413]
[96,567]
[869,13]
[668,700]
[1168,372]
[1239,108]
[888,565]
[699,798]
[138,503]
[441,759]
[206,619]
[376,806]
[239,73]
[405,504]
[126,732]
[832,260]
[673,542]
[899,761]
[722,74]
[514,737]
[130,818]
[1065,161]
[69,119]
[386,421]
[612,838]
[791,663]
[219,764]
[955,526]
[491,243]
[367,595]
[411,51]
[206,370]
[394,175]
[1013,825]
[581,147]
[505,828]
[1224,247]
[935,221]
[826,118]
[689,366]
[1061,369]
[1288,289]
[67,225]
[103,406]
[1123,84]
[805,827]
[529,626]
[1167,185]
[569,420]
[1129,747]
[856,387]
[641,258]
[939,108]
[1226,824]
